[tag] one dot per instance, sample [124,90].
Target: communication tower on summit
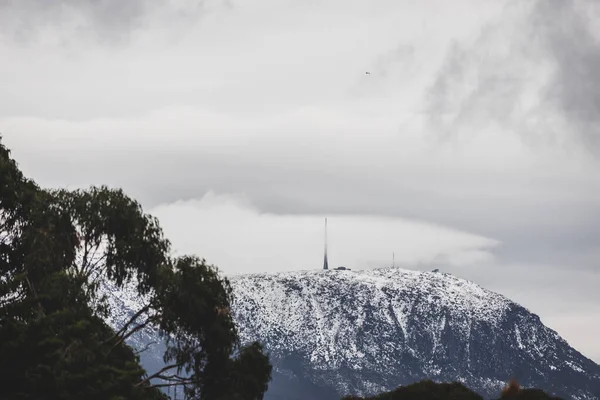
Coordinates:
[325,263]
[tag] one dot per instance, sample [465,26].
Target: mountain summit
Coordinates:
[332,333]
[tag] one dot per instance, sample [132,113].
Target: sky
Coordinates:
[473,144]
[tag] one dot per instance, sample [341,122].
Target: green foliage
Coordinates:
[56,248]
[196,316]
[115,237]
[514,391]
[250,373]
[426,390]
[429,390]
[63,355]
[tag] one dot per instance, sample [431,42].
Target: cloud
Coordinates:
[318,160]
[229,232]
[533,72]
[237,58]
[477,116]
[68,22]
[574,44]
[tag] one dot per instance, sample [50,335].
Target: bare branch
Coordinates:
[155,375]
[134,330]
[134,318]
[146,347]
[86,251]
[122,331]
[159,385]
[174,377]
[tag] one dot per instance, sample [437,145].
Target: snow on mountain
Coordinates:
[332,333]
[363,332]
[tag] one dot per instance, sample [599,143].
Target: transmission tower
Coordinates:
[325,263]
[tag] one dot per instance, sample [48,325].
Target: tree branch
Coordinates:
[135,316]
[159,385]
[134,330]
[174,377]
[146,347]
[156,375]
[84,261]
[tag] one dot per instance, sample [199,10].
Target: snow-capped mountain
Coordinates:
[332,333]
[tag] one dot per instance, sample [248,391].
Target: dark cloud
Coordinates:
[574,89]
[487,82]
[546,51]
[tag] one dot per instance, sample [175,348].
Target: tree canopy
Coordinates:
[429,390]
[57,249]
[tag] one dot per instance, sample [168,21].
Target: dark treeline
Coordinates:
[57,247]
[429,390]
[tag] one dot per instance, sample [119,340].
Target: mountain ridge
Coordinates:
[390,326]
[361,332]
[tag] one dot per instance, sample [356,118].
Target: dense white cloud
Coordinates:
[230,232]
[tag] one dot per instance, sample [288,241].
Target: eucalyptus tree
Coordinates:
[59,251]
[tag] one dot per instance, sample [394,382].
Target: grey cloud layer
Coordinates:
[575,88]
[536,218]
[552,40]
[535,72]
[104,21]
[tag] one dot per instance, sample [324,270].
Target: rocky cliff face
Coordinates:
[332,333]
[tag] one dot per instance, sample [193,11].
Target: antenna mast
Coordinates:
[325,264]
[393,259]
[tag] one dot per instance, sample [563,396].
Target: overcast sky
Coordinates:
[472,146]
